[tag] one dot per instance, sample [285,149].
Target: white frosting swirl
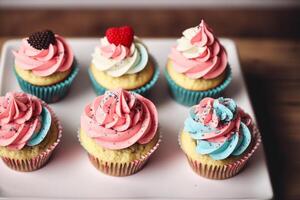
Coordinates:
[119,60]
[199,53]
[189,47]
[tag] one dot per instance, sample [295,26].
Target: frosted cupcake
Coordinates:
[45,66]
[218,138]
[29,131]
[119,130]
[122,61]
[197,66]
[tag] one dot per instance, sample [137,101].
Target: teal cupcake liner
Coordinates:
[52,93]
[99,89]
[190,97]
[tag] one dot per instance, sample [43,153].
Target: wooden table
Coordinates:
[272,71]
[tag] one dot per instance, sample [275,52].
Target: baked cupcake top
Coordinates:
[120,52]
[119,119]
[219,127]
[24,120]
[199,54]
[44,53]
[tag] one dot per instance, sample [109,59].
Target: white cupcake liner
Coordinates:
[228,170]
[124,168]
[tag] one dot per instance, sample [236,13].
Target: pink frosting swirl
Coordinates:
[199,54]
[222,122]
[19,119]
[119,119]
[57,58]
[111,51]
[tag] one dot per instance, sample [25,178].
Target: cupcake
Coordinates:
[197,66]
[122,61]
[119,131]
[45,66]
[218,138]
[29,131]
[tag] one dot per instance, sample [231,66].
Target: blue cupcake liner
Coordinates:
[190,97]
[52,93]
[99,89]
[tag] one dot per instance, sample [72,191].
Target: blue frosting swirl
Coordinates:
[219,127]
[45,126]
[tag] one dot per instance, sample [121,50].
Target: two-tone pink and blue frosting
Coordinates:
[221,129]
[24,121]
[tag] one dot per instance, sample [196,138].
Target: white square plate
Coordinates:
[167,174]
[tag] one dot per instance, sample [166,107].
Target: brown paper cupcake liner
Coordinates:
[225,171]
[122,169]
[35,163]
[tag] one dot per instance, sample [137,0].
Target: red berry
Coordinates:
[120,35]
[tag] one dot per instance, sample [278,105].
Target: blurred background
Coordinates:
[155,18]
[266,32]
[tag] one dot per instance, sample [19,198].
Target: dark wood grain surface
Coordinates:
[269,47]
[272,72]
[154,23]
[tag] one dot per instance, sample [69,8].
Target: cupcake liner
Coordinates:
[225,171]
[35,163]
[99,89]
[27,165]
[122,169]
[190,97]
[52,93]
[117,169]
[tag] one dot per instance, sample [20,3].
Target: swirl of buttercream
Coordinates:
[22,119]
[219,127]
[57,58]
[119,119]
[199,53]
[119,60]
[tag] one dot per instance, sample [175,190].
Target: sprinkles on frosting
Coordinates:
[23,121]
[220,128]
[119,119]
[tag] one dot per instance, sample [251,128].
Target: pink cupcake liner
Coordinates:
[117,169]
[27,165]
[122,169]
[225,171]
[35,163]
